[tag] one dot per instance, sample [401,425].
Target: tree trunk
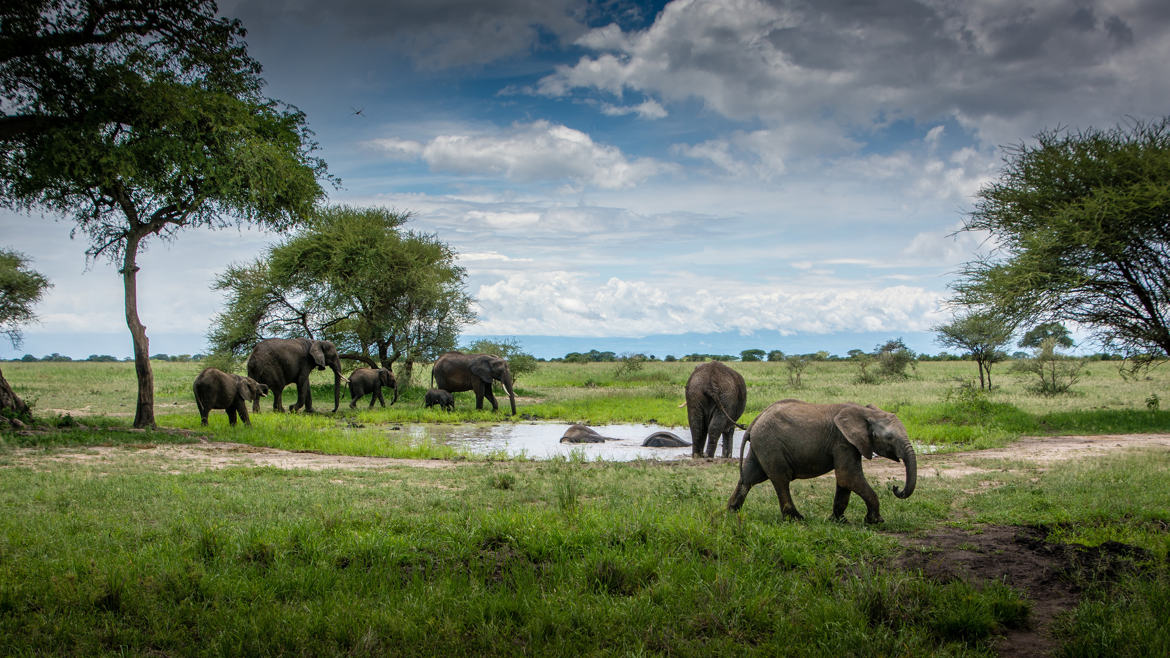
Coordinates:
[407,377]
[10,402]
[144,412]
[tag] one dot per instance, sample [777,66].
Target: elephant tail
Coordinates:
[718,401]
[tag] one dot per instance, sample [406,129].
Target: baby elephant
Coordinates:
[664,439]
[369,380]
[437,396]
[216,389]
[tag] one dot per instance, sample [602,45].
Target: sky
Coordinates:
[692,176]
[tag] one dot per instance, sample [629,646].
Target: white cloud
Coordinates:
[537,151]
[650,109]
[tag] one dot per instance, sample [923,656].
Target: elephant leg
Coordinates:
[231,412]
[840,501]
[728,437]
[854,480]
[714,430]
[278,398]
[787,507]
[491,397]
[698,423]
[243,409]
[381,399]
[304,395]
[353,399]
[750,475]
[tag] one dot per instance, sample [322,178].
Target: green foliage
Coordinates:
[519,361]
[752,355]
[893,358]
[352,276]
[630,364]
[796,366]
[1055,372]
[1054,331]
[775,355]
[1079,220]
[983,335]
[20,289]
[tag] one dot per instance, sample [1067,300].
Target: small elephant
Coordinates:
[437,396]
[792,440]
[582,434]
[716,398]
[665,439]
[216,389]
[369,380]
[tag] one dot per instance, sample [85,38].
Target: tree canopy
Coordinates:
[352,276]
[20,289]
[983,334]
[1081,227]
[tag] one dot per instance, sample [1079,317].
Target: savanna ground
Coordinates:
[1039,526]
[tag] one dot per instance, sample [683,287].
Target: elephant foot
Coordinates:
[874,519]
[793,515]
[839,518]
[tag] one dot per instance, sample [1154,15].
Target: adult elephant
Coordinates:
[716,397]
[793,440]
[279,362]
[456,371]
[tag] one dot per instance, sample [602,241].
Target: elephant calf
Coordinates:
[369,380]
[216,389]
[581,434]
[664,439]
[794,440]
[437,396]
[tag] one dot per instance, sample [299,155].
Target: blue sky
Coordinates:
[724,173]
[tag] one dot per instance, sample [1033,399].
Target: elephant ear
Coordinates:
[482,367]
[853,421]
[317,354]
[242,387]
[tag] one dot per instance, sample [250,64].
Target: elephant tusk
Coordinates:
[682,405]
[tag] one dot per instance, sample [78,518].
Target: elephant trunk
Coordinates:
[337,386]
[506,380]
[906,455]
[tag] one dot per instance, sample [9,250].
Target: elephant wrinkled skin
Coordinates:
[456,371]
[582,434]
[792,440]
[664,439]
[369,380]
[716,397]
[216,389]
[278,362]
[438,397]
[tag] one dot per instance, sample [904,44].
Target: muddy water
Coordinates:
[542,440]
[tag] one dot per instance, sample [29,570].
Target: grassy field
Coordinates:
[129,553]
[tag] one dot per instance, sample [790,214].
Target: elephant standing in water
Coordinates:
[216,389]
[716,397]
[456,371]
[795,440]
[369,380]
[279,362]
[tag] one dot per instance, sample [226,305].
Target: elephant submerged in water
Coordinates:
[456,371]
[278,362]
[793,440]
[581,434]
[664,439]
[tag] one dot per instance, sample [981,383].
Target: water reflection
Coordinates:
[542,440]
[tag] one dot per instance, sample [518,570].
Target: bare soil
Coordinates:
[1050,575]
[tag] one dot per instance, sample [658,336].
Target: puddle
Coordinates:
[542,440]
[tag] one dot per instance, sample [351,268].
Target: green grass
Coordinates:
[552,558]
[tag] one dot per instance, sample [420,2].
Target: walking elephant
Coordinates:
[456,371]
[279,362]
[795,440]
[438,397]
[369,380]
[716,397]
[216,389]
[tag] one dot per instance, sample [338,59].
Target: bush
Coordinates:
[1055,372]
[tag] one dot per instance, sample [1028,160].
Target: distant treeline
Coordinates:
[595,356]
[105,358]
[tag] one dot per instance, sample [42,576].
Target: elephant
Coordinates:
[216,389]
[279,362]
[369,380]
[792,439]
[456,371]
[715,398]
[665,439]
[581,434]
[437,396]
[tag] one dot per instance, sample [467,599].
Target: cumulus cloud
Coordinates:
[537,151]
[1001,70]
[574,304]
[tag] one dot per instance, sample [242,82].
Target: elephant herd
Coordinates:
[275,363]
[790,439]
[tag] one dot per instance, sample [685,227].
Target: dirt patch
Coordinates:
[1051,575]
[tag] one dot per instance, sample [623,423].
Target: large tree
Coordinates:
[1081,227]
[355,277]
[983,335]
[65,62]
[20,289]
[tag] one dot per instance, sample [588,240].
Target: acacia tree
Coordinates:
[1081,221]
[983,334]
[69,62]
[20,289]
[352,276]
